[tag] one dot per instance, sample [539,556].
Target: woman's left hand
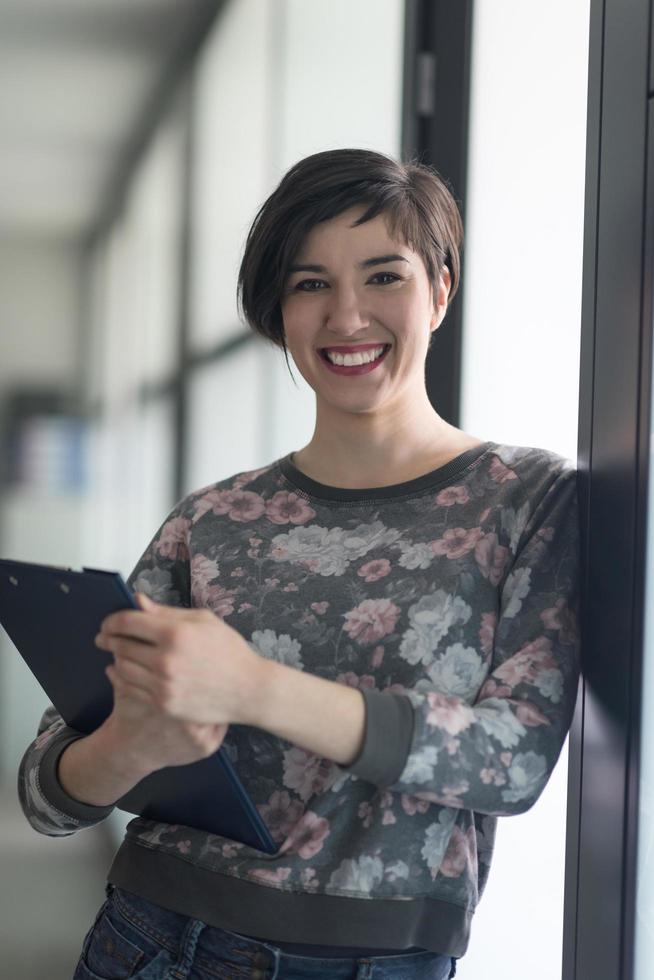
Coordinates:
[187,662]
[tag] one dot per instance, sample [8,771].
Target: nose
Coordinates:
[345,313]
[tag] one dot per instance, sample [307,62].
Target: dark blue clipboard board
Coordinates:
[52,615]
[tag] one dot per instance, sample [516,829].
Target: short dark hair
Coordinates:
[414,197]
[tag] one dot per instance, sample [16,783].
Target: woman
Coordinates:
[387,617]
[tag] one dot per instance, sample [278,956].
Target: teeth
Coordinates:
[350,359]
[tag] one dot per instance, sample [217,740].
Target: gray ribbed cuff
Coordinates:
[387,740]
[55,793]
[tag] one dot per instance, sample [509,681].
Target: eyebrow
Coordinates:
[375,260]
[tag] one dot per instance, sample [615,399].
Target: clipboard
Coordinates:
[52,615]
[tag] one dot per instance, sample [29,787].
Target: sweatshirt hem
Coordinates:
[265,913]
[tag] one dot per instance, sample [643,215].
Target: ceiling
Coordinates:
[76,76]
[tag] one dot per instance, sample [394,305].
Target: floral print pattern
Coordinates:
[460,600]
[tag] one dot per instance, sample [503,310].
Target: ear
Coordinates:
[442,294]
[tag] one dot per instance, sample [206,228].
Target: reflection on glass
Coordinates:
[644,925]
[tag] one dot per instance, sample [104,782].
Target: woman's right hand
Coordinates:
[148,739]
[134,741]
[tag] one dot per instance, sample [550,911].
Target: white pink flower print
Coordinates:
[412,805]
[350,679]
[356,876]
[289,508]
[172,540]
[491,557]
[309,879]
[497,719]
[330,551]
[561,617]
[449,713]
[280,814]
[437,836]
[374,570]
[452,495]
[459,671]
[238,505]
[371,620]
[386,801]
[550,684]
[499,472]
[491,689]
[203,571]
[525,665]
[461,852]
[366,813]
[419,555]
[431,618]
[282,648]
[307,836]
[456,542]
[529,714]
[514,522]
[516,589]
[397,870]
[486,632]
[158,584]
[527,775]
[220,600]
[307,773]
[420,765]
[268,876]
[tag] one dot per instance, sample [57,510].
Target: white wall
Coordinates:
[39,323]
[39,311]
[520,383]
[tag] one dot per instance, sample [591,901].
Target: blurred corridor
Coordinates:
[51,889]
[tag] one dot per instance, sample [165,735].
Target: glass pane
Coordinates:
[226,412]
[644,925]
[360,51]
[289,417]
[155,203]
[231,154]
[131,466]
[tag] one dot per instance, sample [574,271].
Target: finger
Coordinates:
[124,690]
[125,649]
[133,674]
[146,623]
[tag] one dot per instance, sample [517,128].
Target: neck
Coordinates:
[367,453]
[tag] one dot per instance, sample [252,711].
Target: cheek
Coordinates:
[298,319]
[402,315]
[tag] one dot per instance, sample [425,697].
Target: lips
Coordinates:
[352,350]
[365,367]
[360,349]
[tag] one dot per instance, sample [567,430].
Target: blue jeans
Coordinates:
[133,939]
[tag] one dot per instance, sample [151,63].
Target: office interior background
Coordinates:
[137,140]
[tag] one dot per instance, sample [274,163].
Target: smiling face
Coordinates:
[358,286]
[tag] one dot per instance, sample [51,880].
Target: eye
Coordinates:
[391,275]
[302,285]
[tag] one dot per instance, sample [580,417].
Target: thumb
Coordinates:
[145,602]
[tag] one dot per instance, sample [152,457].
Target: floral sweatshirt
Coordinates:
[451,602]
